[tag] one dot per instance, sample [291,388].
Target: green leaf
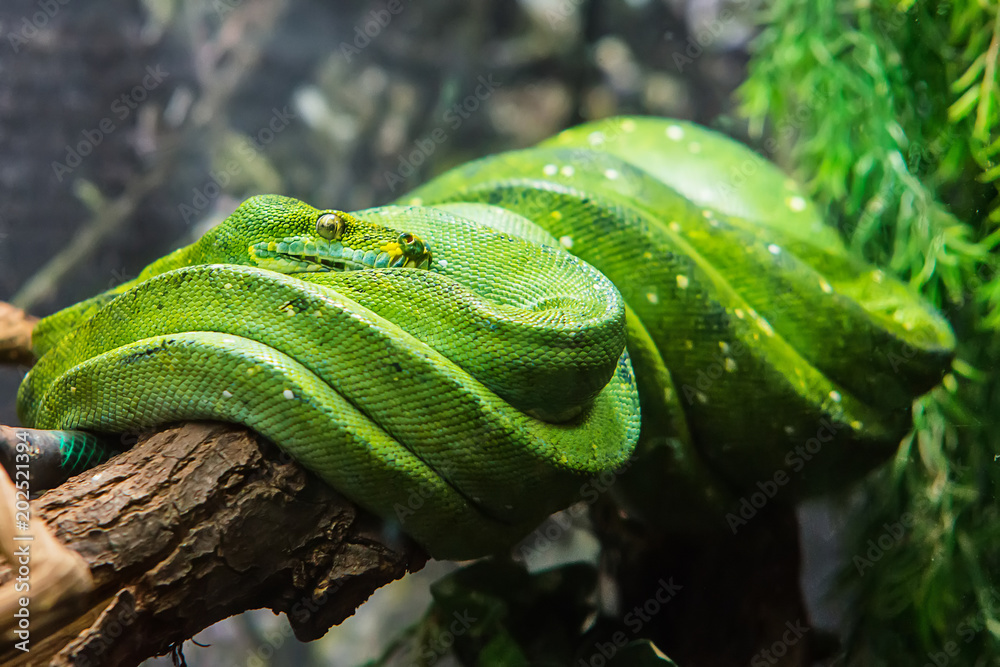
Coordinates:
[964,105]
[640,653]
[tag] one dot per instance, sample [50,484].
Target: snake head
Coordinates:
[289,236]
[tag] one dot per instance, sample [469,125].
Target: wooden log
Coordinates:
[197,523]
[193,524]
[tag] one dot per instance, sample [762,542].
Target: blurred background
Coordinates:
[128,127]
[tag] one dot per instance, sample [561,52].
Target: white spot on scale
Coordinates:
[796,203]
[835,396]
[72,390]
[675,132]
[611,174]
[228,286]
[289,394]
[694,147]
[567,171]
[652,298]
[443,263]
[773,249]
[566,242]
[550,170]
[682,281]
[227,394]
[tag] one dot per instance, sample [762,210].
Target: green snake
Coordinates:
[463,361]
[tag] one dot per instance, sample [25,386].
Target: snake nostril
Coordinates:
[414,249]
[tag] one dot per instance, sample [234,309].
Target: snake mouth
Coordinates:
[307,254]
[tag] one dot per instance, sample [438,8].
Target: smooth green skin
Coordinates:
[470,400]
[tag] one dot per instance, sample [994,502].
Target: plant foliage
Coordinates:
[890,112]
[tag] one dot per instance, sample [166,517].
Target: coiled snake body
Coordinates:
[488,342]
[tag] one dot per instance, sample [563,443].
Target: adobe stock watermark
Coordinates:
[122,108]
[708,34]
[560,13]
[740,173]
[111,631]
[374,23]
[916,154]
[635,620]
[425,147]
[30,26]
[549,533]
[903,352]
[967,631]
[728,357]
[877,547]
[249,149]
[724,360]
[445,637]
[301,611]
[776,651]
[225,7]
[23,538]
[796,459]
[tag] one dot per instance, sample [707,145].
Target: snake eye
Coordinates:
[330,226]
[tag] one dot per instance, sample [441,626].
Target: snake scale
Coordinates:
[488,343]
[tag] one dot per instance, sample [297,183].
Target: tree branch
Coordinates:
[15,335]
[193,524]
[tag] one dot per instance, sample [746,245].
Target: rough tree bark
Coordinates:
[193,524]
